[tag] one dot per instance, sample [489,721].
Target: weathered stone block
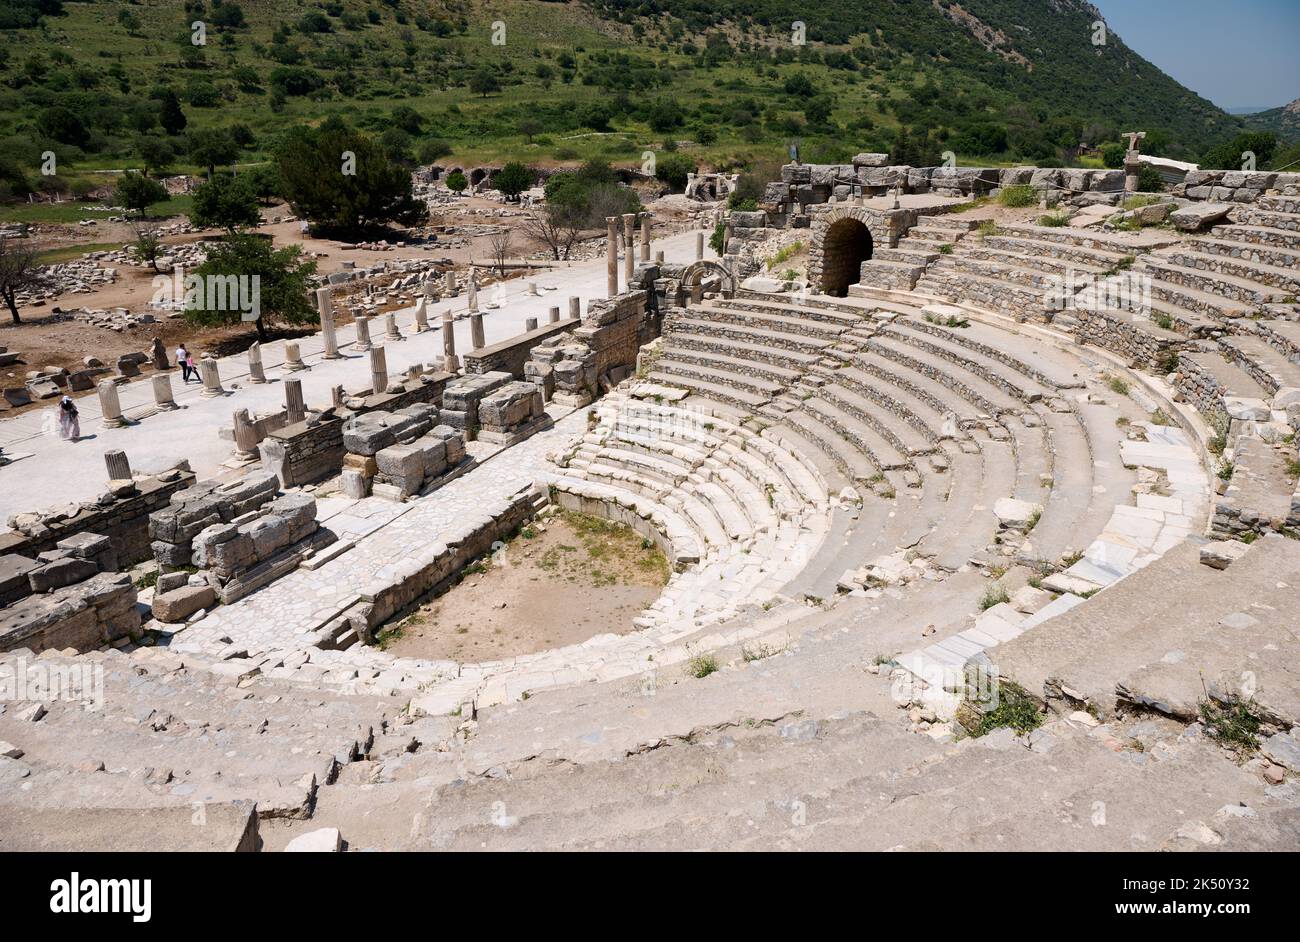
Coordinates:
[179,604]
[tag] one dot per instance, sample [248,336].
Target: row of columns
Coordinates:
[629,221]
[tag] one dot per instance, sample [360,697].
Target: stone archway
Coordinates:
[843,237]
[845,246]
[694,274]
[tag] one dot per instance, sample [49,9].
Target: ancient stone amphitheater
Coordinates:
[970,551]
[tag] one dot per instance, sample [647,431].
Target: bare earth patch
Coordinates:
[562,580]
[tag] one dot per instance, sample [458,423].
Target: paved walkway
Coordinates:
[57,471]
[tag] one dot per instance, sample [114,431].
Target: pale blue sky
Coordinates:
[1234,52]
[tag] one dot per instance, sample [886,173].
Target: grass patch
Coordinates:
[952,320]
[1235,725]
[967,207]
[1117,385]
[759,652]
[994,594]
[945,249]
[1015,710]
[702,665]
[988,228]
[1161,417]
[1018,196]
[1054,220]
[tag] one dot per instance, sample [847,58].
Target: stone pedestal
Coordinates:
[162,392]
[476,338]
[245,436]
[293,358]
[575,307]
[378,369]
[325,307]
[532,289]
[530,324]
[211,377]
[110,407]
[554,314]
[472,288]
[295,410]
[421,316]
[449,283]
[1132,169]
[611,256]
[645,237]
[256,374]
[363,333]
[119,468]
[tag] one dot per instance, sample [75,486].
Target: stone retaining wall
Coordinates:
[124,520]
[1123,338]
[84,616]
[509,356]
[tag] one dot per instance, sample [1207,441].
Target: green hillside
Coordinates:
[105,85]
[1284,121]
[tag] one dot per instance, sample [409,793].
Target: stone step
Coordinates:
[847,456]
[779,320]
[711,390]
[905,438]
[1279,204]
[979,481]
[718,374]
[932,423]
[1265,364]
[1221,291]
[1287,222]
[1135,337]
[1013,377]
[764,357]
[1283,335]
[771,374]
[991,294]
[1067,252]
[879,450]
[760,336]
[975,389]
[1262,237]
[1021,271]
[906,255]
[1089,239]
[1274,267]
[684,545]
[1225,379]
[835,319]
[898,276]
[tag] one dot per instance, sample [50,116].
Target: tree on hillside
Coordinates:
[673,169]
[343,182]
[147,247]
[513,179]
[138,192]
[283,280]
[19,271]
[155,153]
[484,83]
[212,147]
[1231,155]
[226,203]
[172,118]
[456,181]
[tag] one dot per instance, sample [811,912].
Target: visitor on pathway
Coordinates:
[187,365]
[69,420]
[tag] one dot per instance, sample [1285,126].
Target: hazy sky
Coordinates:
[1233,52]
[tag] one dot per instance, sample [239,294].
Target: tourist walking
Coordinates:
[187,365]
[69,420]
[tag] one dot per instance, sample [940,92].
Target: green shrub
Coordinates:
[1017,196]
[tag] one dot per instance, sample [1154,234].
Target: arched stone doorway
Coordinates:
[694,274]
[845,246]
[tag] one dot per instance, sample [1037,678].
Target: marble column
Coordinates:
[119,468]
[211,376]
[611,261]
[245,436]
[659,256]
[476,338]
[378,369]
[554,314]
[391,333]
[295,409]
[530,324]
[450,362]
[645,237]
[532,289]
[325,307]
[629,250]
[449,283]
[256,374]
[162,392]
[110,408]
[292,357]
[472,288]
[363,333]
[575,307]
[421,316]
[699,246]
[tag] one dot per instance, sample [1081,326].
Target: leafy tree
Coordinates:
[155,153]
[456,181]
[513,179]
[672,169]
[64,126]
[1228,156]
[147,246]
[433,150]
[264,180]
[530,128]
[225,203]
[1112,155]
[344,182]
[172,118]
[138,192]
[283,283]
[212,147]
[484,83]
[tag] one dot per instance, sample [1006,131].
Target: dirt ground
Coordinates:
[560,581]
